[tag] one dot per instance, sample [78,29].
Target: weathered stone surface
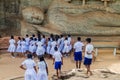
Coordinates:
[60,17]
[83,20]
[98,74]
[33,15]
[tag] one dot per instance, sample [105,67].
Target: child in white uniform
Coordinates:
[23,46]
[40,50]
[27,39]
[61,46]
[66,46]
[57,61]
[43,40]
[78,47]
[31,44]
[48,46]
[53,45]
[30,67]
[18,50]
[12,47]
[42,69]
[89,49]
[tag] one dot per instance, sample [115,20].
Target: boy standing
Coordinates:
[88,55]
[57,61]
[78,47]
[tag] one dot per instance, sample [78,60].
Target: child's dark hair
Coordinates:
[66,38]
[19,38]
[35,39]
[33,35]
[51,35]
[27,35]
[12,37]
[29,56]
[23,39]
[61,36]
[41,58]
[79,38]
[88,40]
[31,38]
[48,39]
[56,49]
[69,35]
[43,36]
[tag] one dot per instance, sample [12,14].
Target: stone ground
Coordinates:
[9,67]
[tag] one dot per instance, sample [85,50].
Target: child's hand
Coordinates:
[53,63]
[62,63]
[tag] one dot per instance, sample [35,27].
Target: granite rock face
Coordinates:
[59,17]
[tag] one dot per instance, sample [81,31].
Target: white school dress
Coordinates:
[61,44]
[40,50]
[32,47]
[18,47]
[43,40]
[42,73]
[53,44]
[23,46]
[11,47]
[27,43]
[30,73]
[48,47]
[66,46]
[58,43]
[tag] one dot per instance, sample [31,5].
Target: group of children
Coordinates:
[57,46]
[40,45]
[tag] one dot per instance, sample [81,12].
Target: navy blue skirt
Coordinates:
[87,61]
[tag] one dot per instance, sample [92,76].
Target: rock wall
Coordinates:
[9,15]
[59,17]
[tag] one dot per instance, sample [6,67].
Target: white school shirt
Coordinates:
[78,46]
[39,43]
[42,66]
[57,56]
[69,39]
[29,64]
[40,50]
[62,40]
[43,40]
[12,42]
[89,48]
[49,43]
[66,43]
[23,43]
[53,44]
[27,40]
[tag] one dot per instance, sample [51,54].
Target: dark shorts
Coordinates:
[78,56]
[87,61]
[58,65]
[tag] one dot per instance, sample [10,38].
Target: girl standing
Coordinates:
[18,50]
[43,69]
[23,46]
[48,46]
[12,47]
[30,67]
